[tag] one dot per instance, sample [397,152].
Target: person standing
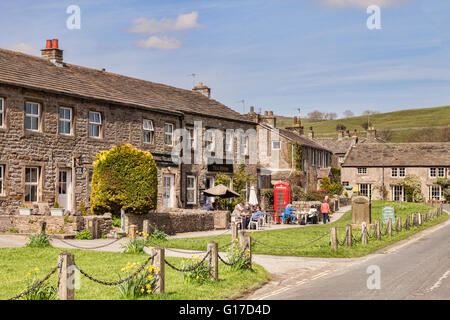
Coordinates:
[325,210]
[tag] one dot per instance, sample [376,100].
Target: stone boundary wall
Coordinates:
[32,223]
[186,220]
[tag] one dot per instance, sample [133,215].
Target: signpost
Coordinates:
[388,212]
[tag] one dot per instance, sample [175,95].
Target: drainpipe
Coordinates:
[180,168]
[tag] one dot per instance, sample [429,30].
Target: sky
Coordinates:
[275,55]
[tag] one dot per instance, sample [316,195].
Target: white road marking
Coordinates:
[439,282]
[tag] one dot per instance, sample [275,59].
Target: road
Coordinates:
[418,268]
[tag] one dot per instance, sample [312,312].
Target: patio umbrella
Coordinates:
[220,191]
[253,200]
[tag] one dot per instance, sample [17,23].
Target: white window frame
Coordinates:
[438,173]
[96,124]
[147,128]
[2,179]
[191,138]
[433,173]
[65,120]
[402,172]
[367,189]
[362,170]
[33,116]
[168,134]
[432,190]
[31,184]
[402,196]
[193,188]
[274,142]
[2,112]
[394,172]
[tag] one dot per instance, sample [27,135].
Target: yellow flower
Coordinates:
[28,274]
[149,278]
[148,286]
[142,290]
[149,291]
[36,269]
[198,277]
[158,269]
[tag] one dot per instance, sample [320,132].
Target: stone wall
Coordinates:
[182,221]
[32,224]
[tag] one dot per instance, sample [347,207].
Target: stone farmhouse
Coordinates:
[368,167]
[55,117]
[279,161]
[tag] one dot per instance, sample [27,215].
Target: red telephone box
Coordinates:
[281,198]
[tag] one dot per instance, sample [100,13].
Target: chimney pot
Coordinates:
[52,53]
[266,113]
[252,109]
[55,44]
[48,44]
[270,113]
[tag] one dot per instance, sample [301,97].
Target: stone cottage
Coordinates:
[55,117]
[370,168]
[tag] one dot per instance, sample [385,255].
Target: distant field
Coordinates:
[412,118]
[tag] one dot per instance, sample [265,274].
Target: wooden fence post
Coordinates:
[146,227]
[334,239]
[246,244]
[234,232]
[66,287]
[213,260]
[364,234]
[377,230]
[407,222]
[399,224]
[389,227]
[349,235]
[158,262]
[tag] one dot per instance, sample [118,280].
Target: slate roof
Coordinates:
[424,154]
[36,73]
[335,145]
[301,139]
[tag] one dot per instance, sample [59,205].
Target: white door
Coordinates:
[65,189]
[169,191]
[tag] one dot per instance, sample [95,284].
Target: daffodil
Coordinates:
[148,286]
[28,274]
[149,277]
[36,269]
[142,290]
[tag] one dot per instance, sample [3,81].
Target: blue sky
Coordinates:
[276,55]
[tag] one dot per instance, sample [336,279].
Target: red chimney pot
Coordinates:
[55,43]
[48,44]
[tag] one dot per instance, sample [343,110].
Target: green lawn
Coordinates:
[299,236]
[15,263]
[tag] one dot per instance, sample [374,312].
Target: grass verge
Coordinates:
[15,263]
[304,235]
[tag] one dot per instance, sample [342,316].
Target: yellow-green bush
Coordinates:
[124,177]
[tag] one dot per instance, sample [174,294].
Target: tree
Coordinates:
[330,116]
[369,112]
[385,134]
[340,126]
[348,114]
[316,116]
[124,177]
[413,188]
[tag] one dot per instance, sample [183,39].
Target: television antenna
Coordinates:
[193,78]
[243,105]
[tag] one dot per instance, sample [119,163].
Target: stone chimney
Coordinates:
[347,133]
[52,53]
[311,133]
[340,135]
[206,91]
[371,134]
[269,119]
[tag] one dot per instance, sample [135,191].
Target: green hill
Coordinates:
[404,125]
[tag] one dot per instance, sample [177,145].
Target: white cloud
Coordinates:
[165,25]
[25,48]
[362,3]
[155,42]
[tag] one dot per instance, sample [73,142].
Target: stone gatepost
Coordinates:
[92,226]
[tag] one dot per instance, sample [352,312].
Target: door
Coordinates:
[65,189]
[169,192]
[209,184]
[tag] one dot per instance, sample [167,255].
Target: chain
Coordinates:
[90,248]
[341,243]
[116,283]
[293,247]
[27,291]
[231,263]
[189,269]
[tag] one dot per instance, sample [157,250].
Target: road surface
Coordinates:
[418,268]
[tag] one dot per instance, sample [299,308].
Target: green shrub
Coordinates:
[84,235]
[238,257]
[298,194]
[268,194]
[137,244]
[315,196]
[38,240]
[158,235]
[124,177]
[199,274]
[67,219]
[117,222]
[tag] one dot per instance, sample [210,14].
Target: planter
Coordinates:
[25,211]
[56,212]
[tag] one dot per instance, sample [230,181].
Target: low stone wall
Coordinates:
[304,205]
[32,223]
[182,220]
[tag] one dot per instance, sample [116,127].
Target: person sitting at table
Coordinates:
[246,215]
[257,214]
[288,215]
[208,206]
